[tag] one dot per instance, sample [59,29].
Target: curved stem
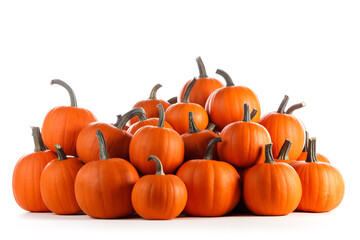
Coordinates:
[38,142]
[159,167]
[295,107]
[211,127]
[140,112]
[154,91]
[118,118]
[60,152]
[229,81]
[188,91]
[268,153]
[104,154]
[253,113]
[172,100]
[284,151]
[192,126]
[311,156]
[283,103]
[201,67]
[161,115]
[247,117]
[68,88]
[210,148]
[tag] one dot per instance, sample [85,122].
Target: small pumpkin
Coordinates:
[284,153]
[159,196]
[323,185]
[63,124]
[57,183]
[204,86]
[213,186]
[149,105]
[271,188]
[303,155]
[103,188]
[27,173]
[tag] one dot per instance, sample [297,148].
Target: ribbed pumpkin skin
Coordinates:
[271,189]
[26,180]
[62,126]
[178,116]
[323,186]
[201,90]
[103,188]
[118,142]
[243,144]
[320,157]
[284,126]
[164,143]
[148,122]
[151,110]
[57,185]
[159,197]
[213,187]
[226,105]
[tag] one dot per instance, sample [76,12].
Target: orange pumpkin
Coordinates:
[57,183]
[149,105]
[283,125]
[243,142]
[165,143]
[63,124]
[284,153]
[303,155]
[225,105]
[103,188]
[27,173]
[159,196]
[203,88]
[323,185]
[271,188]
[213,186]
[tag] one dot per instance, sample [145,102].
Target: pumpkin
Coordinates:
[177,114]
[283,125]
[57,183]
[27,173]
[162,142]
[159,196]
[243,142]
[203,88]
[323,185]
[213,186]
[271,188]
[284,153]
[196,141]
[118,140]
[303,155]
[149,105]
[103,188]
[225,105]
[62,124]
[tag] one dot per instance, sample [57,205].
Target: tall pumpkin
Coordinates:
[63,124]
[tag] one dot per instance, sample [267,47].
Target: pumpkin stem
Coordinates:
[172,100]
[154,91]
[268,153]
[283,103]
[211,127]
[140,112]
[294,107]
[39,144]
[311,156]
[73,101]
[118,118]
[210,148]
[253,113]
[60,152]
[247,117]
[201,67]
[192,125]
[161,115]
[188,91]
[229,81]
[306,145]
[159,167]
[284,151]
[104,154]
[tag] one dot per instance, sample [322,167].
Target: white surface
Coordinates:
[113,52]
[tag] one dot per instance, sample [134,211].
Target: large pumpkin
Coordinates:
[63,124]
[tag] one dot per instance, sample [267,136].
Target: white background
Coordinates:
[113,52]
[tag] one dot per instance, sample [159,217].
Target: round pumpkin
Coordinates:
[159,196]
[303,155]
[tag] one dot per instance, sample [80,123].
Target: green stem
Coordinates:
[283,103]
[201,67]
[73,101]
[247,117]
[311,156]
[38,142]
[210,148]
[161,115]
[268,153]
[154,91]
[284,151]
[192,126]
[140,112]
[159,167]
[229,81]
[172,100]
[253,113]
[60,152]
[188,91]
[104,154]
[295,107]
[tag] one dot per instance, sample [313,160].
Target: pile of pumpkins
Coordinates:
[206,155]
